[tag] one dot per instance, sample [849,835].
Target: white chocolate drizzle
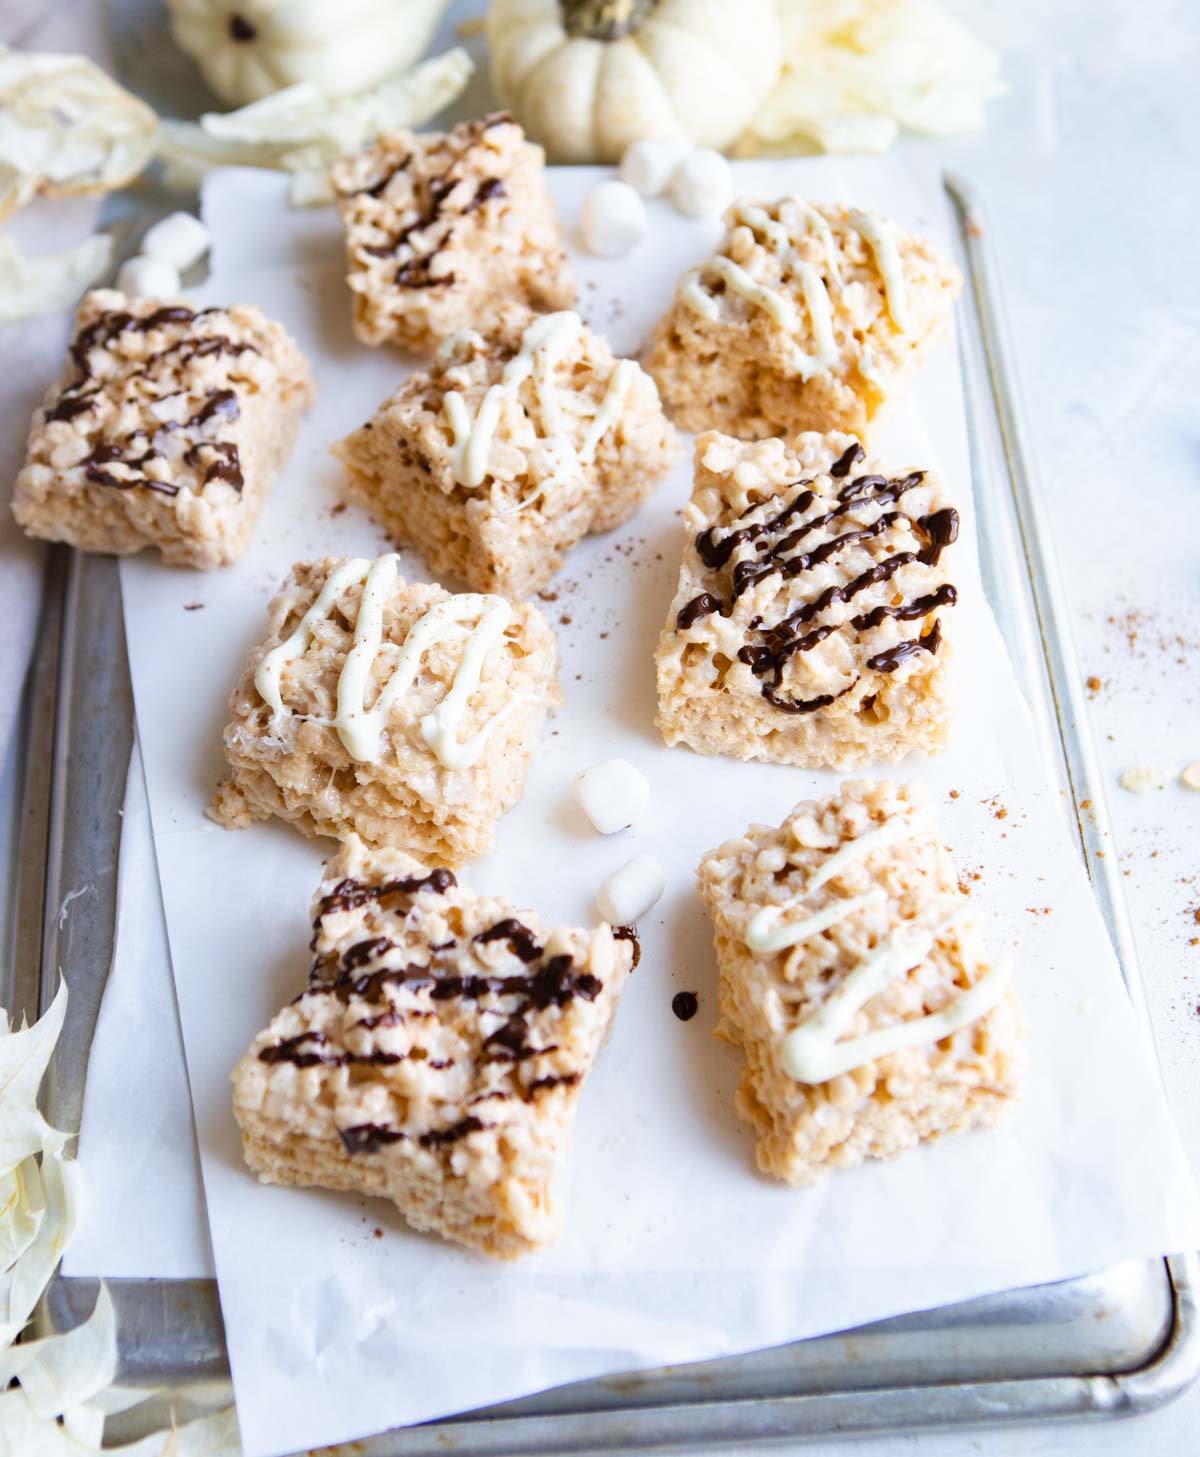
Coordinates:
[543,345]
[812,1051]
[891,832]
[777,238]
[878,237]
[361,729]
[768,931]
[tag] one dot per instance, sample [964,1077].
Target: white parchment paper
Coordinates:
[142,1214]
[340,1321]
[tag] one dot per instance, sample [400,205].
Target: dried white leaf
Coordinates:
[65,1371]
[856,71]
[20,1219]
[84,1425]
[290,115]
[30,286]
[298,130]
[63,1392]
[54,1188]
[214,1436]
[23,1431]
[188,154]
[24,1057]
[66,127]
[115,1399]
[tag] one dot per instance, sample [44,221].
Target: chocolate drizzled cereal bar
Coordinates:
[166,429]
[437,1056]
[806,318]
[854,979]
[389,710]
[443,229]
[509,450]
[812,617]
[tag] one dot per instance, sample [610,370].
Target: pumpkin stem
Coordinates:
[605,19]
[240,28]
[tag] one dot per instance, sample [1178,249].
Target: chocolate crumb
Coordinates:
[685,1005]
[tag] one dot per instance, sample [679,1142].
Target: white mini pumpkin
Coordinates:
[248,49]
[585,78]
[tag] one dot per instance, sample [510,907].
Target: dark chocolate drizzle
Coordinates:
[697,608]
[561,1080]
[218,460]
[439,1137]
[945,596]
[629,933]
[105,454]
[890,660]
[777,541]
[306,1051]
[111,324]
[545,982]
[520,938]
[942,530]
[364,951]
[850,457]
[350,894]
[73,401]
[222,403]
[368,1137]
[416,271]
[213,460]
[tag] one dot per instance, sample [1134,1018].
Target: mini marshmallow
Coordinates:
[180,239]
[614,219]
[649,164]
[612,794]
[143,277]
[702,185]
[626,896]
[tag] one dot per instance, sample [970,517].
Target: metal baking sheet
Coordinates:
[1118,1342]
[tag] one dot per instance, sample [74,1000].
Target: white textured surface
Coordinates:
[143,1209]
